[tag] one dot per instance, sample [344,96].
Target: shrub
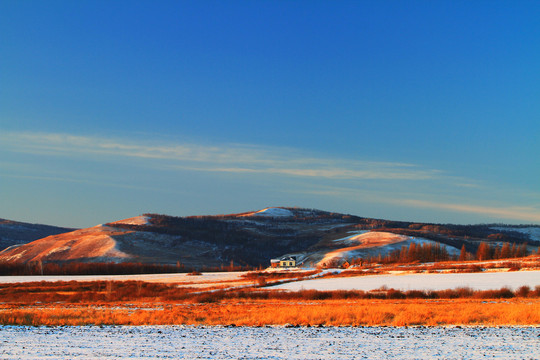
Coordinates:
[523,291]
[504,293]
[394,294]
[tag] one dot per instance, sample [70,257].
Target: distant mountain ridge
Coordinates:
[15,232]
[252,238]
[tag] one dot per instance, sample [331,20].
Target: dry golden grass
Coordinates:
[517,311]
[140,303]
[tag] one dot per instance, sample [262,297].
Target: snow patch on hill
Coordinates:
[137,220]
[367,243]
[274,212]
[533,232]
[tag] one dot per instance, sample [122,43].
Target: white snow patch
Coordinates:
[367,243]
[274,212]
[351,237]
[475,281]
[158,278]
[137,220]
[14,257]
[275,342]
[533,232]
[59,249]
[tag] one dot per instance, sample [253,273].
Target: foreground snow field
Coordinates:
[178,342]
[475,281]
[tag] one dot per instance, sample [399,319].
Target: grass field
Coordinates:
[268,312]
[140,303]
[501,294]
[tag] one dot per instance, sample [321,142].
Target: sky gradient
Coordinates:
[404,110]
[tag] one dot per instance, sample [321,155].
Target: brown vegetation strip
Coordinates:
[73,292]
[139,303]
[261,313]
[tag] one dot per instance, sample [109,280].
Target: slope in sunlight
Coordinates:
[315,237]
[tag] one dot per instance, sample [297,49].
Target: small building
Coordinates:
[289,261]
[284,262]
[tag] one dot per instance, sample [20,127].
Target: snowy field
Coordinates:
[475,281]
[178,342]
[211,277]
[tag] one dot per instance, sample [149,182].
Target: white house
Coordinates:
[284,262]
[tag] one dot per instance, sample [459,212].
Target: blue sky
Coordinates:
[407,110]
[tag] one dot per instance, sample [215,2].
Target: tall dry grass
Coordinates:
[140,303]
[269,312]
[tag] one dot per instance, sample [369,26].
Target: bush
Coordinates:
[394,294]
[504,293]
[523,291]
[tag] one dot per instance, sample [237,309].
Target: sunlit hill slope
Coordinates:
[315,237]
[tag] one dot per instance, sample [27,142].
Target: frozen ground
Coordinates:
[137,220]
[211,277]
[178,342]
[533,232]
[476,281]
[274,212]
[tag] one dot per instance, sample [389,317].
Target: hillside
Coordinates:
[15,233]
[315,237]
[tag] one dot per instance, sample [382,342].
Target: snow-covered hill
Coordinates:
[532,232]
[16,233]
[204,241]
[274,212]
[315,237]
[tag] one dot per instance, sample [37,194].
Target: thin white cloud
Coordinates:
[510,212]
[260,160]
[235,158]
[519,213]
[330,173]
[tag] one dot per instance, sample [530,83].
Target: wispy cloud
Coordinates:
[510,212]
[231,158]
[519,213]
[401,185]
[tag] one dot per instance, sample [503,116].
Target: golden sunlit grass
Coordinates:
[271,312]
[141,303]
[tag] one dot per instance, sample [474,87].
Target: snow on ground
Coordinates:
[475,281]
[137,220]
[274,212]
[533,232]
[211,277]
[351,239]
[359,245]
[329,343]
[373,243]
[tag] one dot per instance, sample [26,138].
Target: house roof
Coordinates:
[288,258]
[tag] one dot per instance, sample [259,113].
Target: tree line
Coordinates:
[104,268]
[435,252]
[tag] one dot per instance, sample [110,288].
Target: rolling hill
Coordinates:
[16,233]
[315,237]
